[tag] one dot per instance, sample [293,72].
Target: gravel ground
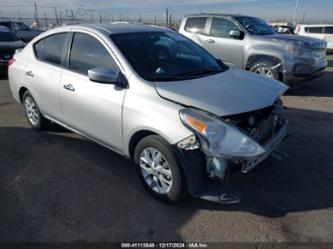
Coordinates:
[57,186]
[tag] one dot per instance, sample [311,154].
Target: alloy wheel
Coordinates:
[155,170]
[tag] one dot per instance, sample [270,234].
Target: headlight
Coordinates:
[218,138]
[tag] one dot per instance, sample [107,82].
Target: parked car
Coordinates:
[320,31]
[283,27]
[8,44]
[250,43]
[155,97]
[22,31]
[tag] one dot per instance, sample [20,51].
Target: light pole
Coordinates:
[295,13]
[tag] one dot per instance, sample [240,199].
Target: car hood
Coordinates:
[308,41]
[228,93]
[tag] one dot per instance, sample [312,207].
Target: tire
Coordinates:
[264,68]
[32,113]
[151,146]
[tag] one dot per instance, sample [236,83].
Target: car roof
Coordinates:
[121,28]
[217,15]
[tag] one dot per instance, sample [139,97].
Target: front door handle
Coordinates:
[69,87]
[29,73]
[210,41]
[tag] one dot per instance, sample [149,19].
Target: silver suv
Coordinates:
[155,97]
[250,43]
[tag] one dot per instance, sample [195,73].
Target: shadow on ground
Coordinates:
[319,87]
[59,187]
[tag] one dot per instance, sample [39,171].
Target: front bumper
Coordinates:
[301,70]
[212,185]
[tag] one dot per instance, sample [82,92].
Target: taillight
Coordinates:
[11,61]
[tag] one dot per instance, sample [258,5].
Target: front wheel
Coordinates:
[159,169]
[266,68]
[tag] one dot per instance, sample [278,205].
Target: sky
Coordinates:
[310,10]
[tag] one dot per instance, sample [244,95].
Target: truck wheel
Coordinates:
[265,68]
[159,169]
[34,116]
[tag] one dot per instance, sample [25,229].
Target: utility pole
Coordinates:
[166,17]
[60,18]
[303,18]
[72,16]
[45,19]
[295,13]
[56,15]
[36,14]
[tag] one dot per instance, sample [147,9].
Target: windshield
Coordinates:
[255,26]
[7,37]
[166,56]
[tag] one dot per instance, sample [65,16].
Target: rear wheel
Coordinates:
[266,68]
[34,116]
[159,170]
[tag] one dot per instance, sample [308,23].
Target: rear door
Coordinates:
[94,109]
[221,45]
[43,73]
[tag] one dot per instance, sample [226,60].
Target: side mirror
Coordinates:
[107,76]
[236,34]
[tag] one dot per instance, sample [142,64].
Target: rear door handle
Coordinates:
[210,41]
[69,87]
[29,73]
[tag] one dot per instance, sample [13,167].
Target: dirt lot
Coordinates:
[57,186]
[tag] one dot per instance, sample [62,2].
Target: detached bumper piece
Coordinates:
[219,193]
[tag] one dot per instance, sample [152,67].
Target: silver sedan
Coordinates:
[155,97]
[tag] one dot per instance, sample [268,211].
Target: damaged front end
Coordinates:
[236,142]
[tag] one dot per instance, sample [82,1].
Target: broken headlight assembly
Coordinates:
[218,138]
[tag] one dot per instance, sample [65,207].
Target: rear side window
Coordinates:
[50,48]
[195,24]
[6,24]
[314,30]
[221,27]
[87,53]
[7,37]
[329,30]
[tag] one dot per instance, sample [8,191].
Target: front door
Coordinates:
[221,45]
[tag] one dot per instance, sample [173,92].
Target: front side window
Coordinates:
[314,30]
[255,26]
[6,24]
[166,56]
[50,48]
[195,24]
[221,27]
[87,53]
